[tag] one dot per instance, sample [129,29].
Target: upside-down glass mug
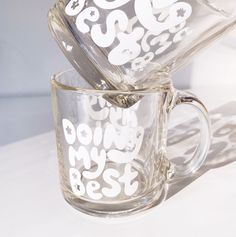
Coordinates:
[113,160]
[128,44]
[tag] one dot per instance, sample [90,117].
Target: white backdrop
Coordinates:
[218,59]
[28,54]
[215,66]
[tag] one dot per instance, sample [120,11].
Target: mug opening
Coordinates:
[71,80]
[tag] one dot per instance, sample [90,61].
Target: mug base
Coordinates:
[119,209]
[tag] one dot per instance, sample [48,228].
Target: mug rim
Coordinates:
[144,91]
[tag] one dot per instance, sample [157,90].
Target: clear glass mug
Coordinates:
[113,160]
[128,44]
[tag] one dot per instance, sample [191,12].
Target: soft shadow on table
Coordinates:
[223,148]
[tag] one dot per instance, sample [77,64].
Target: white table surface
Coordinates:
[31,204]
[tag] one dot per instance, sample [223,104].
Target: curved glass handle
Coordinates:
[191,166]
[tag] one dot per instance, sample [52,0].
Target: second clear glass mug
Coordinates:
[127,44]
[113,160]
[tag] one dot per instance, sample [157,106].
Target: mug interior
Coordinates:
[72,80]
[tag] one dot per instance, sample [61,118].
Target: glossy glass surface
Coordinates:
[127,44]
[113,160]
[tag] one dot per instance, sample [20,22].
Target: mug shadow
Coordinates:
[222,151]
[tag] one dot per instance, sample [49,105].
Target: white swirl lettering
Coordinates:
[128,49]
[105,4]
[114,19]
[90,14]
[74,7]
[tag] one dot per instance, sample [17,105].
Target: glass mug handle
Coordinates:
[192,165]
